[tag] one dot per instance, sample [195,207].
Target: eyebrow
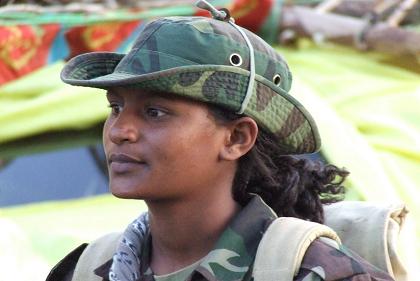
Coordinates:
[111,92]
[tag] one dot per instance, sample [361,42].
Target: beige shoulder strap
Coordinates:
[372,230]
[96,254]
[283,247]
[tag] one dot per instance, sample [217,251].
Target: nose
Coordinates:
[124,128]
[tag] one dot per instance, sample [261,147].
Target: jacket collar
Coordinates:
[233,254]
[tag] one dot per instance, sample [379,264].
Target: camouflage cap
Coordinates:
[207,60]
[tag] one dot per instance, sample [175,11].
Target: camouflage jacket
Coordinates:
[233,255]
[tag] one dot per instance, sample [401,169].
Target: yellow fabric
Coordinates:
[366,107]
[29,252]
[40,103]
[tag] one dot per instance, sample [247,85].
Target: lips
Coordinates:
[122,163]
[123,158]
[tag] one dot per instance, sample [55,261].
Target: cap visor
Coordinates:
[84,69]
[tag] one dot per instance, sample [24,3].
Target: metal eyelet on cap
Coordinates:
[225,16]
[277,79]
[235,59]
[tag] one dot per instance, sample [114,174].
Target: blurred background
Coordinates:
[356,67]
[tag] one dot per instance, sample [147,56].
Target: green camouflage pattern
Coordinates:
[324,261]
[233,255]
[190,56]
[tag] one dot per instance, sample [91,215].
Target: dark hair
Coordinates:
[292,186]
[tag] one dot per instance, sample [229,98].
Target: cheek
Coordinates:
[195,150]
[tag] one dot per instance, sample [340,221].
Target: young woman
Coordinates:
[202,128]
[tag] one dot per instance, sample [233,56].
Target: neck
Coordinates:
[183,232]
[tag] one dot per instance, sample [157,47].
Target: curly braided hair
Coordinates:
[292,186]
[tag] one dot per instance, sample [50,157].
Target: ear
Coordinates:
[240,138]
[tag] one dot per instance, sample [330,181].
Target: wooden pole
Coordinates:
[401,12]
[305,22]
[327,6]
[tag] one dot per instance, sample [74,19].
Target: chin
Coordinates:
[122,195]
[126,193]
[126,188]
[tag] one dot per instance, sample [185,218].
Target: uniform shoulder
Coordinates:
[64,269]
[326,260]
[87,260]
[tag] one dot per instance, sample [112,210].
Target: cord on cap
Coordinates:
[222,15]
[216,14]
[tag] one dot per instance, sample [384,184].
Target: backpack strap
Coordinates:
[283,246]
[372,230]
[96,254]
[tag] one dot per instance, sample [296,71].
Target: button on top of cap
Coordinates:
[222,14]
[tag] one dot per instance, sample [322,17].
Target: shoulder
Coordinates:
[326,260]
[64,269]
[86,261]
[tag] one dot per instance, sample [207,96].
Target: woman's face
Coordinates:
[161,148]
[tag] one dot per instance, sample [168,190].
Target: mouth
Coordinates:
[122,163]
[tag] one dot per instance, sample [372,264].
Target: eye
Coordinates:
[154,112]
[115,108]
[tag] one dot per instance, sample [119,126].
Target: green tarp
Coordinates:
[35,237]
[366,108]
[40,103]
